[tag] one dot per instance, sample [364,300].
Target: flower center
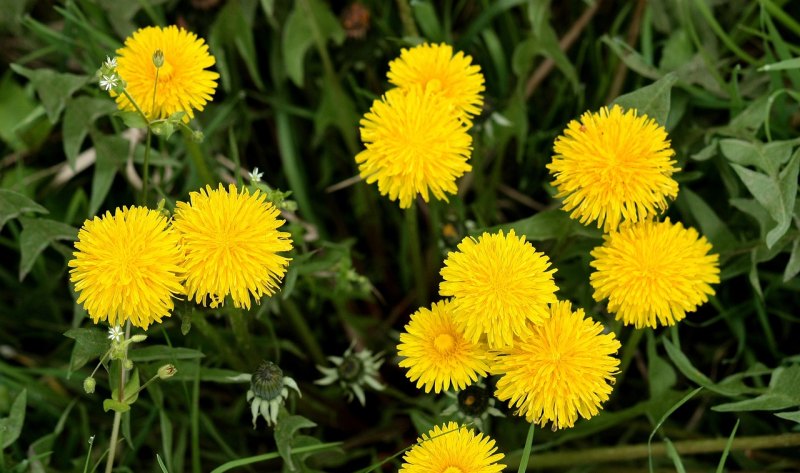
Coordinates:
[444,343]
[453,469]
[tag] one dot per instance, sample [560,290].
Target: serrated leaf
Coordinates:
[53,88]
[549,224]
[111,153]
[285,432]
[12,204]
[783,392]
[298,35]
[37,234]
[90,343]
[652,100]
[131,119]
[116,406]
[163,353]
[11,426]
[79,116]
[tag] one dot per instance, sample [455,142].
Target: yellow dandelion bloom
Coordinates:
[231,240]
[415,145]
[453,449]
[434,67]
[498,283]
[654,272]
[183,83]
[436,354]
[127,267]
[614,166]
[561,370]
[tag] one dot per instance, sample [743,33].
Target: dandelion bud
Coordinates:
[167,371]
[138,338]
[89,384]
[158,58]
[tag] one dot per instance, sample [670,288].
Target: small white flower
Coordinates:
[115,333]
[353,371]
[111,62]
[108,82]
[268,392]
[255,176]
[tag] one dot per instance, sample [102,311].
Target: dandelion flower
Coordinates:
[561,370]
[433,66]
[654,272]
[183,83]
[499,283]
[231,240]
[453,449]
[613,166]
[127,267]
[435,352]
[415,145]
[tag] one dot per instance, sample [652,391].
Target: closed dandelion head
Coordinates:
[564,368]
[269,389]
[415,145]
[653,273]
[499,283]
[436,353]
[435,67]
[184,84]
[614,166]
[353,371]
[472,405]
[451,448]
[127,267]
[231,241]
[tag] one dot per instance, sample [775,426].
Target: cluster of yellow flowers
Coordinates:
[417,135]
[224,242]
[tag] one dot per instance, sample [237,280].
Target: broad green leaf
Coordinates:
[549,224]
[298,34]
[661,376]
[749,120]
[792,416]
[164,353]
[631,57]
[428,20]
[677,51]
[767,157]
[111,153]
[708,152]
[687,369]
[79,116]
[783,392]
[336,109]
[37,234]
[652,100]
[16,110]
[116,406]
[752,208]
[285,432]
[131,119]
[711,226]
[53,88]
[12,204]
[11,426]
[90,343]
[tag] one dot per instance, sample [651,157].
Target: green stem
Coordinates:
[135,105]
[415,250]
[409,27]
[526,452]
[112,447]
[303,331]
[564,459]
[146,166]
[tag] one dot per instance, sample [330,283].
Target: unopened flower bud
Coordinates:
[127,364]
[138,338]
[158,58]
[167,371]
[89,384]
[198,136]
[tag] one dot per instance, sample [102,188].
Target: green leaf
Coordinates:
[337,109]
[164,353]
[752,208]
[285,432]
[111,152]
[768,157]
[793,63]
[37,234]
[652,100]
[661,376]
[11,426]
[548,225]
[12,204]
[298,35]
[792,416]
[672,454]
[783,392]
[79,116]
[22,119]
[234,26]
[53,88]
[131,119]
[793,266]
[428,21]
[728,444]
[522,59]
[687,369]
[631,57]
[116,406]
[711,226]
[90,343]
